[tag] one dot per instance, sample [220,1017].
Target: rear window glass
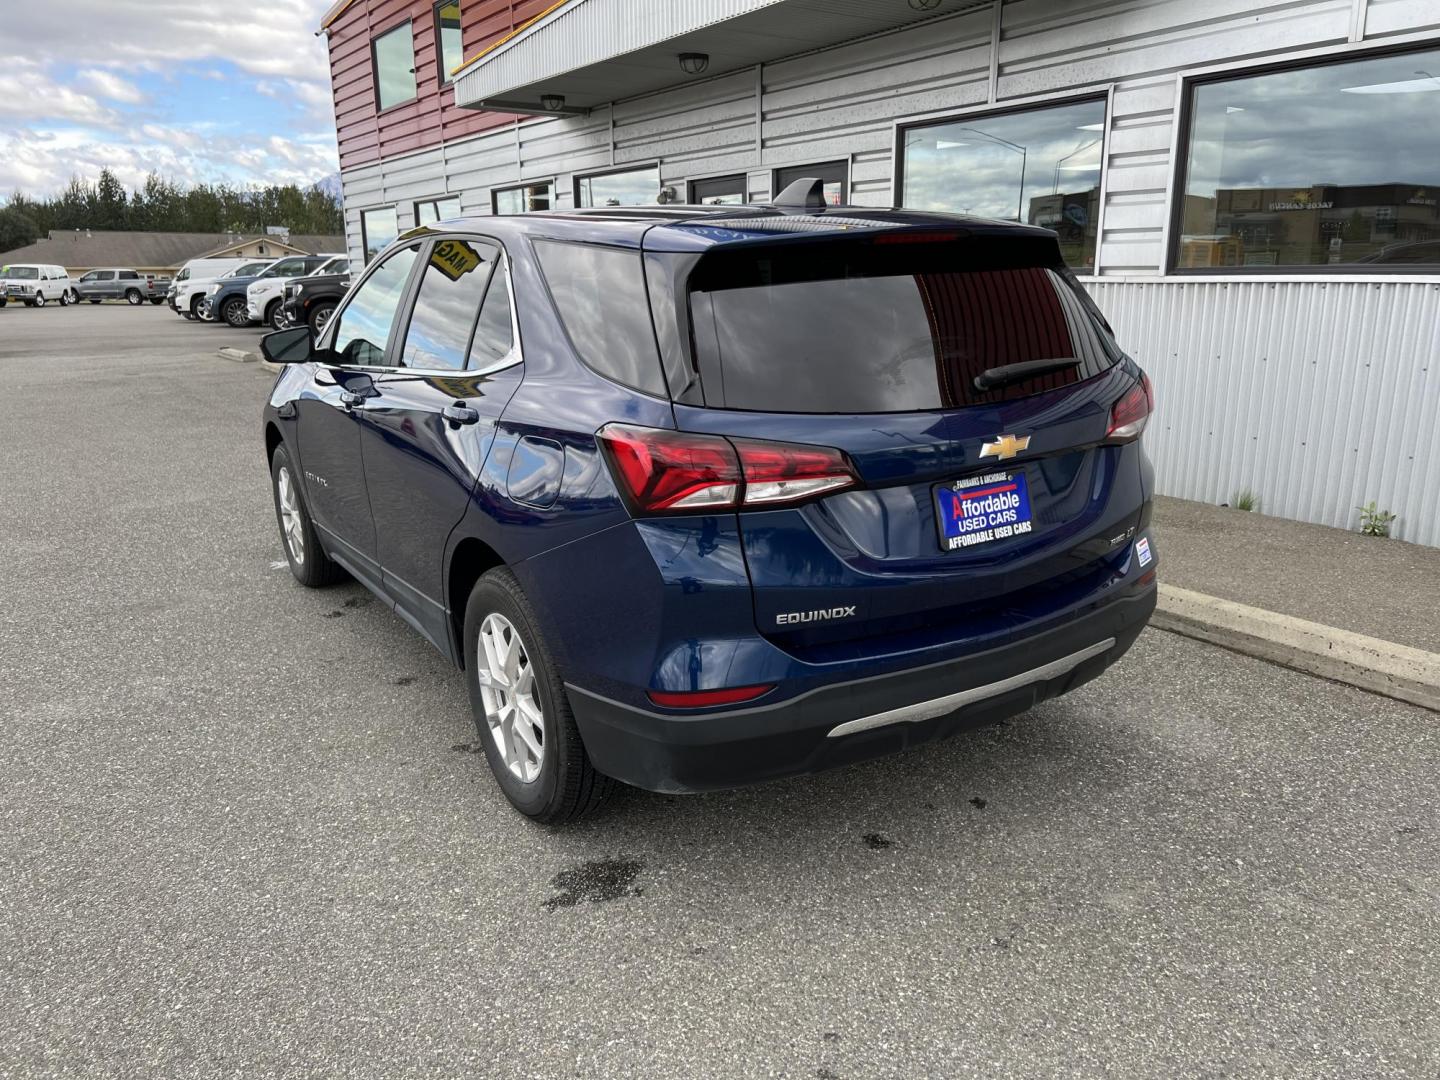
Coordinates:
[600,295]
[874,327]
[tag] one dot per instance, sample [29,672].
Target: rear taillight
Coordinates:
[673,472]
[1128,417]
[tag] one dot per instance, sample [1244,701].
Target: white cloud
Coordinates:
[72,103]
[107,84]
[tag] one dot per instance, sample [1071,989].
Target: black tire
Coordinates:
[313,569]
[320,318]
[39,300]
[133,297]
[3,301]
[567,786]
[64,299]
[234,312]
[194,312]
[272,315]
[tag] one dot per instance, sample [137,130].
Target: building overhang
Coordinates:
[579,54]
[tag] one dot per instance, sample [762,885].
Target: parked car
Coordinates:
[697,497]
[36,284]
[312,299]
[265,296]
[228,301]
[121,284]
[196,276]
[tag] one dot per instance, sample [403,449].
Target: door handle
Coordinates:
[460,413]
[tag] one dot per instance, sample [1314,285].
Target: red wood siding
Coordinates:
[432,117]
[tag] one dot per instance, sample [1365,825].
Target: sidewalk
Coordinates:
[1386,589]
[1356,609]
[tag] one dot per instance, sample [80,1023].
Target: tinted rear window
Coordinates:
[600,295]
[854,328]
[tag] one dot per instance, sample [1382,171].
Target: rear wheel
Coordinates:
[234,312]
[310,565]
[133,297]
[521,711]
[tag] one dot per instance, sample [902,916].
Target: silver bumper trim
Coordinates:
[928,710]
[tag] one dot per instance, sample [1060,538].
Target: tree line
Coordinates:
[162,205]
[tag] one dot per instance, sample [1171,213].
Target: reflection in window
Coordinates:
[639,187]
[718,191]
[1039,166]
[1315,166]
[394,66]
[451,285]
[364,326]
[600,295]
[494,333]
[378,229]
[433,210]
[525,199]
[447,33]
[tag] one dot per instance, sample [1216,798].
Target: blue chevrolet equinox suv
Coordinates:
[701,496]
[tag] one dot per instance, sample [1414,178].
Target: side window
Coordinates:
[92,276]
[600,295]
[105,275]
[363,328]
[452,283]
[494,333]
[129,275]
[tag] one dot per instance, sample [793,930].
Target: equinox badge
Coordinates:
[1005,446]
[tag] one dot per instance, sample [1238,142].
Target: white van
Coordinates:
[36,284]
[197,274]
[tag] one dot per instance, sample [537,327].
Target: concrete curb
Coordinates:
[239,356]
[1382,667]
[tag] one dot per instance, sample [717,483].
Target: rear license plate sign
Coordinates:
[982,509]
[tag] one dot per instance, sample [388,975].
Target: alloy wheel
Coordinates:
[322,319]
[235,313]
[290,521]
[507,689]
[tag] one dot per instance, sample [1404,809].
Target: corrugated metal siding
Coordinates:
[1320,396]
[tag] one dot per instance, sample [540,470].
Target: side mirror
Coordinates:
[292,346]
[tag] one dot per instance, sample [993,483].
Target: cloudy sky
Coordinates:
[192,91]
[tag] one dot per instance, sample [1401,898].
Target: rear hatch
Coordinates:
[979,507]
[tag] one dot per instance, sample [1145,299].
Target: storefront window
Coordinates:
[525,199]
[637,187]
[1337,164]
[378,229]
[1040,166]
[433,210]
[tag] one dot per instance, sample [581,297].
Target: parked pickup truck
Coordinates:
[120,284]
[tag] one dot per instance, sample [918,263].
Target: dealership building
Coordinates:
[1250,191]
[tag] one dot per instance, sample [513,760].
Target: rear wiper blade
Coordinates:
[994,377]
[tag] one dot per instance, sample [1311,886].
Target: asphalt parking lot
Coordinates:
[246,831]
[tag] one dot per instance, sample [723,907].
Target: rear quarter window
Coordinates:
[599,293]
[857,328]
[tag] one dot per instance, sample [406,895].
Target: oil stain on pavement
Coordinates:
[596,881]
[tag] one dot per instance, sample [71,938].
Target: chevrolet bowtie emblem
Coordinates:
[1005,446]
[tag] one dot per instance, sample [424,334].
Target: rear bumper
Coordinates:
[854,720]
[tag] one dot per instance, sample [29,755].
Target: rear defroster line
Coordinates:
[929,710]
